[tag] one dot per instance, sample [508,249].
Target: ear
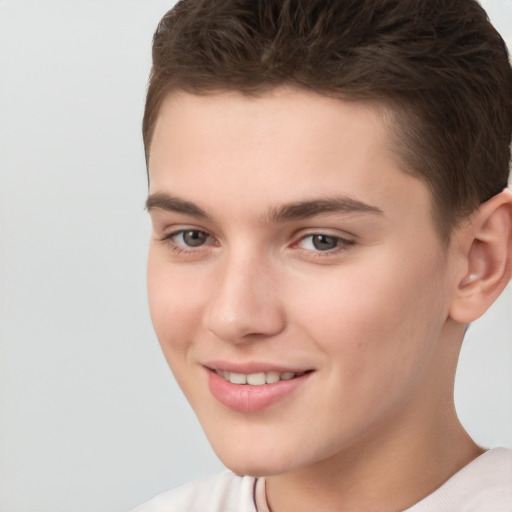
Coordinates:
[487,258]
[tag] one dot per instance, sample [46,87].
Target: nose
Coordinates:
[245,303]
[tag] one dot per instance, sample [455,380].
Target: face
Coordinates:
[296,282]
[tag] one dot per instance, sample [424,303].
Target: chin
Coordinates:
[255,459]
[255,468]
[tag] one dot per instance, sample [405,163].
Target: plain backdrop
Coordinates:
[91,419]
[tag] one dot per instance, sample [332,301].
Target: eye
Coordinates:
[191,238]
[187,240]
[324,243]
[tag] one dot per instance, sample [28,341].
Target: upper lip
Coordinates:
[248,367]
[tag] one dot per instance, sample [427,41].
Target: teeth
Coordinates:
[256,379]
[238,378]
[272,377]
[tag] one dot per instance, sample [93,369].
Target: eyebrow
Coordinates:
[285,213]
[310,208]
[160,201]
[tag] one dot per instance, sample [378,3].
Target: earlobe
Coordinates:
[488,259]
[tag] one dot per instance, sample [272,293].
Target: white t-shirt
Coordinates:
[484,485]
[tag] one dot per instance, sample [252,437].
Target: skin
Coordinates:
[373,427]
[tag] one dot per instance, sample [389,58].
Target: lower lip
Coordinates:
[247,398]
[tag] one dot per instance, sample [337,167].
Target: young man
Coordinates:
[329,207]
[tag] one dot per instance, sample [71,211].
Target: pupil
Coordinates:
[194,238]
[324,242]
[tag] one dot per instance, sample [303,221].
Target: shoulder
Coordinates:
[484,485]
[225,492]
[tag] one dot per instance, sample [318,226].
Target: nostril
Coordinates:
[244,305]
[244,323]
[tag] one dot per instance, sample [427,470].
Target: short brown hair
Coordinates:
[439,65]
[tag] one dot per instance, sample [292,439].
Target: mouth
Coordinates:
[255,391]
[259,378]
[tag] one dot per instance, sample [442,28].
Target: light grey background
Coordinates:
[90,417]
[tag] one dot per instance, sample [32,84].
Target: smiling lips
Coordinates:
[257,379]
[252,392]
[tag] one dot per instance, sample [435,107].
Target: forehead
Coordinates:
[285,116]
[279,147]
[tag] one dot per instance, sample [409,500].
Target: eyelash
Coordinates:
[181,248]
[342,244]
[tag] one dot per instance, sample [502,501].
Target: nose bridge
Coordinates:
[246,300]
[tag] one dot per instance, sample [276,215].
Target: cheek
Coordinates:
[376,327]
[173,304]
